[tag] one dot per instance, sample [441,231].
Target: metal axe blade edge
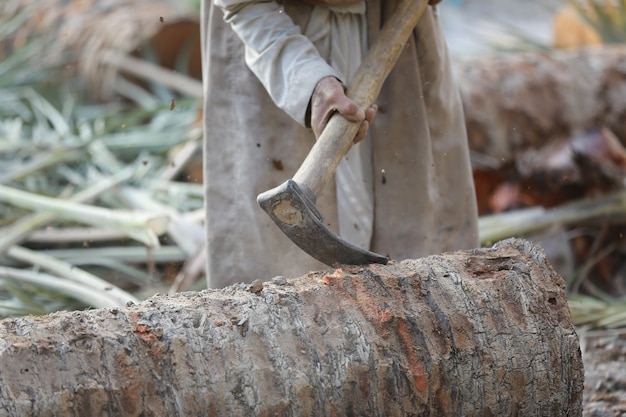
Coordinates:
[297,216]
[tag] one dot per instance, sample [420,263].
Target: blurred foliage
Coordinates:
[55,141]
[607,313]
[606,17]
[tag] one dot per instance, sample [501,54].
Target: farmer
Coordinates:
[273,74]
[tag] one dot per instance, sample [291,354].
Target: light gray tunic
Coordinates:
[411,181]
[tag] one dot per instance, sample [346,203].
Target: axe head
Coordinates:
[294,212]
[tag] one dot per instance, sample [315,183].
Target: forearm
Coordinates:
[284,60]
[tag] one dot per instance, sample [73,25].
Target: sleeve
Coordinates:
[282,58]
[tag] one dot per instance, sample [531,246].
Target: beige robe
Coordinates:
[256,95]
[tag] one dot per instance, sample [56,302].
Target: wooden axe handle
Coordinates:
[336,140]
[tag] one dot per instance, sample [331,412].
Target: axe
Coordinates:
[291,205]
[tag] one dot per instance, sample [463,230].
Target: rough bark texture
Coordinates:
[522,101]
[477,333]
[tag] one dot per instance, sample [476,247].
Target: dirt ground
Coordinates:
[604,355]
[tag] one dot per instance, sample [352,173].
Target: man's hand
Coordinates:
[328,98]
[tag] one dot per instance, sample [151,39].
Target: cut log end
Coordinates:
[482,332]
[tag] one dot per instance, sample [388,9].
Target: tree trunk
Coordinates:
[516,102]
[477,333]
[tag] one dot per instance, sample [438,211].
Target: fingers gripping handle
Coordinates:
[336,139]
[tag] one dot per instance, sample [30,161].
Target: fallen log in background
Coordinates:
[519,101]
[484,332]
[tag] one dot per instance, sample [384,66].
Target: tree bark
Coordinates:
[475,333]
[516,102]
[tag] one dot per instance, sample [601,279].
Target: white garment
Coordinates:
[340,36]
[280,55]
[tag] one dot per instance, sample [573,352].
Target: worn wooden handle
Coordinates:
[336,139]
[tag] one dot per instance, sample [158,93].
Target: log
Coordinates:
[522,101]
[485,332]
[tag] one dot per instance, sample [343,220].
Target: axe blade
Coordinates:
[296,215]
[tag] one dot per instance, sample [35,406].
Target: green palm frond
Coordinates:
[60,151]
[595,313]
[606,17]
